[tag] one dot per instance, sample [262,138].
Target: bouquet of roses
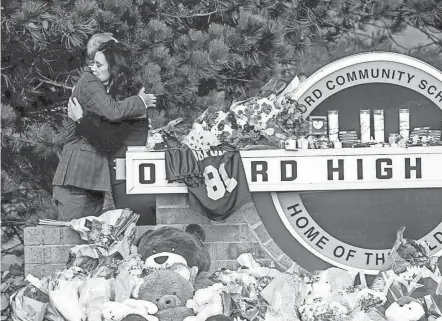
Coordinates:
[227,127]
[256,111]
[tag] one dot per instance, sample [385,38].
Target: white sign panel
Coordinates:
[303,170]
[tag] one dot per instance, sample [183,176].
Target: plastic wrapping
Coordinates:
[93,293]
[128,279]
[164,137]
[30,302]
[64,295]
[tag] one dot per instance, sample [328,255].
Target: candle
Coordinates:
[364,117]
[404,123]
[378,117]
[333,125]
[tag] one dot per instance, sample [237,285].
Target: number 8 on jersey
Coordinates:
[217,182]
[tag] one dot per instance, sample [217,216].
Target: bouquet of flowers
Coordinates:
[164,137]
[104,230]
[244,290]
[201,140]
[407,253]
[368,299]
[290,117]
[227,127]
[257,112]
[320,310]
[31,301]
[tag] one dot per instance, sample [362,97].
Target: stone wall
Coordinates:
[47,248]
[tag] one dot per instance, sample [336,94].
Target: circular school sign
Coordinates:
[342,207]
[342,223]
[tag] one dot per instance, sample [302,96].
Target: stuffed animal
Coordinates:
[170,291]
[405,309]
[166,244]
[116,311]
[206,303]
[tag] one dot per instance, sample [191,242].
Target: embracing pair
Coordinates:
[107,112]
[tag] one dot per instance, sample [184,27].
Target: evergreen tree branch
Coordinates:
[390,35]
[53,83]
[192,15]
[433,38]
[19,139]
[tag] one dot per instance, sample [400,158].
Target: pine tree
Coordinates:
[192,54]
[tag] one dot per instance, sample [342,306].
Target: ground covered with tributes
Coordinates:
[164,276]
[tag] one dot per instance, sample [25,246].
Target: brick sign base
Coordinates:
[47,248]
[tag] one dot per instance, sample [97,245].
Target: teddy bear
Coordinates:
[405,309]
[206,303]
[116,311]
[170,292]
[164,246]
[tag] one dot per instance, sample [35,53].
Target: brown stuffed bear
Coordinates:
[166,244]
[170,292]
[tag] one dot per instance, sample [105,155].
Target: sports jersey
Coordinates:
[225,187]
[182,167]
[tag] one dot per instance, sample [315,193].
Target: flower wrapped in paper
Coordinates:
[129,277]
[321,310]
[164,137]
[64,293]
[93,293]
[408,253]
[368,299]
[227,127]
[252,309]
[410,271]
[285,294]
[31,301]
[257,112]
[290,116]
[201,140]
[102,231]
[245,286]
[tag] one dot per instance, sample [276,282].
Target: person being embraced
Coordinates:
[112,138]
[82,176]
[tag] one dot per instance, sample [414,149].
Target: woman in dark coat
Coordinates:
[112,138]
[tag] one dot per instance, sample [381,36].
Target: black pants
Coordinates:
[144,205]
[74,202]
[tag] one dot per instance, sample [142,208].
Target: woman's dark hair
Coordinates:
[119,58]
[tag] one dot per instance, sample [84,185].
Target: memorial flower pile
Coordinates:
[275,119]
[408,287]
[254,121]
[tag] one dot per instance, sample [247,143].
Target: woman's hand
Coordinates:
[75,112]
[149,99]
